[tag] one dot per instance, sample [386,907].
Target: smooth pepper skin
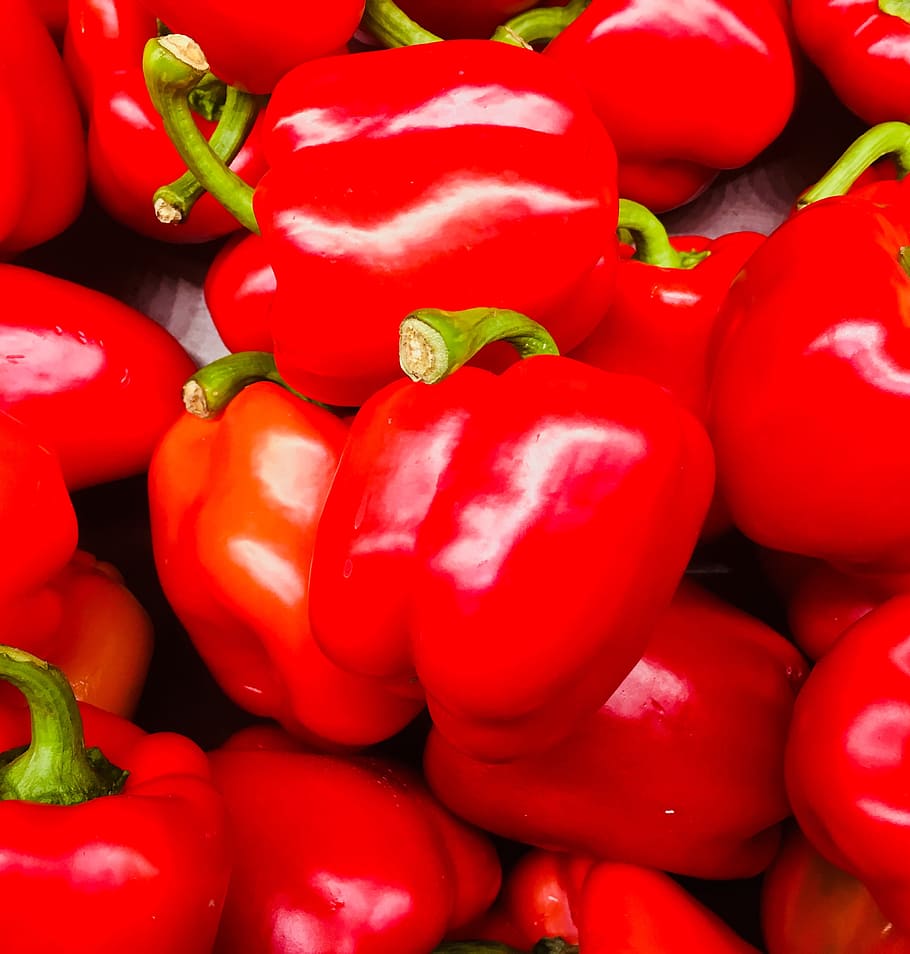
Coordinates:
[44,165]
[808,904]
[234,504]
[809,385]
[684,89]
[96,380]
[129,153]
[709,702]
[845,759]
[343,854]
[238,289]
[459,536]
[144,870]
[253,47]
[513,204]
[604,907]
[862,48]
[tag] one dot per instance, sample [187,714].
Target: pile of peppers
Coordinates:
[521,573]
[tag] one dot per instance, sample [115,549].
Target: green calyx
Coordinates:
[55,768]
[433,343]
[392,27]
[539,24]
[885,139]
[643,229]
[896,8]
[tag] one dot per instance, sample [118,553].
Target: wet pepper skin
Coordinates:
[710,702]
[811,381]
[508,540]
[234,505]
[513,204]
[342,854]
[845,759]
[684,89]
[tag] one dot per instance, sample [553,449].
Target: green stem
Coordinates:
[173,202]
[433,343]
[648,235]
[173,66]
[391,26]
[539,23]
[885,139]
[896,8]
[55,768]
[213,387]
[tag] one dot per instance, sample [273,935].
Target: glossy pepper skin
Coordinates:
[252,48]
[42,194]
[450,502]
[733,58]
[808,385]
[238,290]
[343,854]
[516,179]
[53,13]
[234,504]
[862,48]
[603,907]
[710,702]
[808,904]
[129,154]
[146,866]
[845,762]
[97,381]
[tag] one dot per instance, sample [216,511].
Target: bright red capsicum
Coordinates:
[455,544]
[129,153]
[96,380]
[238,290]
[464,18]
[512,203]
[596,908]
[846,761]
[709,702]
[342,854]
[808,904]
[122,848]
[42,195]
[253,47]
[53,13]
[234,504]
[810,375]
[862,48]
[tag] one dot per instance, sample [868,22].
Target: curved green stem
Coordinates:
[539,23]
[433,343]
[55,768]
[174,65]
[391,26]
[885,139]
[648,235]
[214,386]
[174,201]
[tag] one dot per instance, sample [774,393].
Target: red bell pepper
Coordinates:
[808,904]
[97,381]
[129,153]
[595,908]
[234,505]
[709,703]
[343,854]
[862,48]
[460,19]
[238,290]
[42,194]
[455,544]
[845,760]
[512,202]
[102,856]
[809,380]
[253,48]
[53,13]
